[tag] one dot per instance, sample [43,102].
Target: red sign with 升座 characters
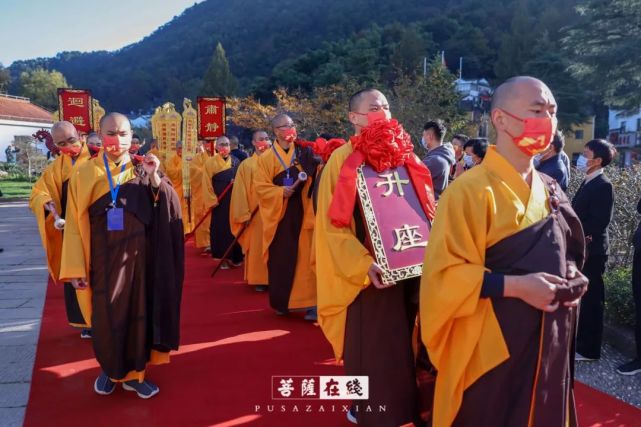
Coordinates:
[397,226]
[76,107]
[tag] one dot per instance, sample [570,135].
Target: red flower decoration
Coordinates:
[384,144]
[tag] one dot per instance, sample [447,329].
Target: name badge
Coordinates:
[288,182]
[115,219]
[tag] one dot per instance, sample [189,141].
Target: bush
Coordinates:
[13,172]
[619,305]
[627,191]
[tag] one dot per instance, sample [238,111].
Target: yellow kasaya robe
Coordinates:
[52,186]
[342,262]
[272,209]
[174,171]
[118,266]
[244,203]
[460,330]
[213,165]
[196,171]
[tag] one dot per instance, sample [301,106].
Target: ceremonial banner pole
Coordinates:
[222,194]
[190,139]
[75,106]
[229,249]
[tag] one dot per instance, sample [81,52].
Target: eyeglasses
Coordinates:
[287,126]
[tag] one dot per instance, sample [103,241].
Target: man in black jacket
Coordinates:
[594,203]
[551,163]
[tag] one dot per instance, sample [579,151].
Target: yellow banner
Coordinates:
[166,128]
[98,113]
[190,139]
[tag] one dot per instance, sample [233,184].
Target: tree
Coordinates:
[605,47]
[41,86]
[417,99]
[218,79]
[5,79]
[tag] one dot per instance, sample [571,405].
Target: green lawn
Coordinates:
[15,188]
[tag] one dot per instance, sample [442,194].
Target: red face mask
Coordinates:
[71,150]
[536,136]
[111,144]
[207,147]
[289,134]
[262,146]
[223,151]
[377,116]
[134,148]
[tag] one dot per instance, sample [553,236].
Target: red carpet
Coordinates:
[232,344]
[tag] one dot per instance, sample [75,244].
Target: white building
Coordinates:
[625,134]
[19,117]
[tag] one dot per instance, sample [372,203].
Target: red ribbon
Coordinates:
[387,134]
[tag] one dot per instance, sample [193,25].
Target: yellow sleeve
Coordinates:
[459,328]
[74,258]
[350,259]
[341,261]
[271,202]
[240,211]
[50,237]
[209,199]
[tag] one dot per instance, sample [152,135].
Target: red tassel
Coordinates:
[341,209]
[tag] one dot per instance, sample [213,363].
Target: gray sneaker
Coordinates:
[630,368]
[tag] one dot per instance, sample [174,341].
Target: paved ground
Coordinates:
[602,376]
[23,279]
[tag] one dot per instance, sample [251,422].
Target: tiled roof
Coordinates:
[20,109]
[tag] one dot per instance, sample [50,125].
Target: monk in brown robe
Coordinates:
[288,220]
[501,280]
[246,224]
[202,217]
[49,204]
[123,246]
[369,323]
[217,182]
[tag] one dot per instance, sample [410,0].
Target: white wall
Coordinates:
[615,119]
[10,129]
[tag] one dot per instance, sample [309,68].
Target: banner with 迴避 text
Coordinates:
[76,106]
[211,117]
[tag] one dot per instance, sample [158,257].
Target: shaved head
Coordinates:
[117,119]
[513,103]
[222,140]
[62,131]
[179,144]
[513,89]
[64,134]
[357,99]
[280,120]
[364,102]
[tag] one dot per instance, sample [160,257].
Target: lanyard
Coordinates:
[112,190]
[280,159]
